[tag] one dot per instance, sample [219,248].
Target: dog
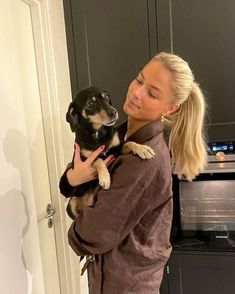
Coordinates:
[92,118]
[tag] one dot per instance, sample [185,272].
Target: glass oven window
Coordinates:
[207,205]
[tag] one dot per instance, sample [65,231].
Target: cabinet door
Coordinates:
[109,42]
[204,274]
[203,32]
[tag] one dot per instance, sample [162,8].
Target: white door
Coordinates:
[28,252]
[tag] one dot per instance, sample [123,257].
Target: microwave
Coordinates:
[204,209]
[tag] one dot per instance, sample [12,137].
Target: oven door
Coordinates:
[204,212]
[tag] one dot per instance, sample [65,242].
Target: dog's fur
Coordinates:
[92,117]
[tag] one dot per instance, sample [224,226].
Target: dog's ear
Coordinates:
[72,117]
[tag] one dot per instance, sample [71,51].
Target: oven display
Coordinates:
[226,147]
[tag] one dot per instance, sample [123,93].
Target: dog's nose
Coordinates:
[113,113]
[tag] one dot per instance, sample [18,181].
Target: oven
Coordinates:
[204,209]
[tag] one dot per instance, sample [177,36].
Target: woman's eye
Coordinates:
[139,81]
[151,94]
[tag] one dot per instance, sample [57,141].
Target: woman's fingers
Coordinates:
[92,157]
[95,154]
[84,171]
[109,160]
[77,157]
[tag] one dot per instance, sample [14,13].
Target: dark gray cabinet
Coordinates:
[109,42]
[203,32]
[199,272]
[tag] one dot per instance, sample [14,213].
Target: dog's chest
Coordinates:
[108,137]
[92,140]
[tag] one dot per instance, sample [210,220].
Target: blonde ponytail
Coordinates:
[186,138]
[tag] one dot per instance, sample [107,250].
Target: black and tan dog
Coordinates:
[92,118]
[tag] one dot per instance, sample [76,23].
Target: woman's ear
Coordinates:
[172,108]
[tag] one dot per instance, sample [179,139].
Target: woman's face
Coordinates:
[149,94]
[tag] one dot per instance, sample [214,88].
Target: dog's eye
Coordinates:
[106,99]
[90,103]
[105,96]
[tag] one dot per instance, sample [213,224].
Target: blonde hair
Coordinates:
[186,138]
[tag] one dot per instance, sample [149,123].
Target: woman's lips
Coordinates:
[131,104]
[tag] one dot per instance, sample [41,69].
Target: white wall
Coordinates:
[19,244]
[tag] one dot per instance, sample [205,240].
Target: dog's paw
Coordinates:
[144,151]
[104,180]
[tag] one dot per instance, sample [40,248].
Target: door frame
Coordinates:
[55,93]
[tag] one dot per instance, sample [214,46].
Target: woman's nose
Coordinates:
[139,92]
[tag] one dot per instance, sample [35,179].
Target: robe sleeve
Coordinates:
[65,188]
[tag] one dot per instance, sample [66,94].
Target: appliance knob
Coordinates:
[220,155]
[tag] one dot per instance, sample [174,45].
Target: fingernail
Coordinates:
[102,147]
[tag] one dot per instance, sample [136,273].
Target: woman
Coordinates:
[128,228]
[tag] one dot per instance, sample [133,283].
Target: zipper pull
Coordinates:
[88,261]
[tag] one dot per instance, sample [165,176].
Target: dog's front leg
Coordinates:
[103,173]
[143,151]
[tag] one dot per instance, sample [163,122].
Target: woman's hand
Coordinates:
[83,171]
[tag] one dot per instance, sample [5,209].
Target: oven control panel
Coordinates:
[221,157]
[225,147]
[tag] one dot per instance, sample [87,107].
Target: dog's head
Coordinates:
[94,105]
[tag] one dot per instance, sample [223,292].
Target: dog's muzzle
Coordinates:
[113,115]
